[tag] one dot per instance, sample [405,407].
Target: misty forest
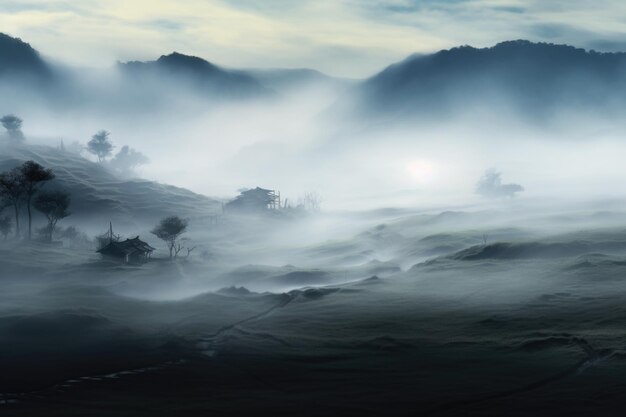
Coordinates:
[446,236]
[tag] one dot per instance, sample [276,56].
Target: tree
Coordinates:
[5,226]
[13,125]
[169,230]
[54,205]
[12,190]
[127,159]
[490,185]
[183,244]
[33,176]
[100,145]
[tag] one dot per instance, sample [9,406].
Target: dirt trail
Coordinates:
[207,345]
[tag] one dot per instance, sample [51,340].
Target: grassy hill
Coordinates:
[98,192]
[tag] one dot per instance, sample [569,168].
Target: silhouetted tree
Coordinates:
[169,230]
[5,226]
[12,190]
[127,159]
[54,205]
[183,244]
[33,176]
[100,145]
[13,125]
[490,185]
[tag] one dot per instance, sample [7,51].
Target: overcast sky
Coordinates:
[352,38]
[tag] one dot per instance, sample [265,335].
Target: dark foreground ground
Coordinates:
[390,385]
[377,347]
[529,327]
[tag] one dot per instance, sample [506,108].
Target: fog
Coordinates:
[384,268]
[295,141]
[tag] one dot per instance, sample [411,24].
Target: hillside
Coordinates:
[183,71]
[166,83]
[530,80]
[96,192]
[18,58]
[533,79]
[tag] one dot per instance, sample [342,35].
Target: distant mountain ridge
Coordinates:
[532,80]
[18,58]
[198,73]
[280,79]
[531,77]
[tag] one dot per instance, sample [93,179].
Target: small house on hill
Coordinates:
[255,200]
[129,250]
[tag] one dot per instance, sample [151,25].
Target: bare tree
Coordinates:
[183,244]
[12,191]
[100,145]
[54,205]
[34,176]
[13,125]
[177,248]
[169,230]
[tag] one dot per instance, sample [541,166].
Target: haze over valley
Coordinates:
[445,236]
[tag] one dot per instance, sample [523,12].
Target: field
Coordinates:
[390,312]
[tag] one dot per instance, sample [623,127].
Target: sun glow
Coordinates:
[421,171]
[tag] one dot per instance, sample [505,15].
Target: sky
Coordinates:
[348,38]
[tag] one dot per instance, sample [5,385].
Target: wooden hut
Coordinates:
[128,251]
[255,200]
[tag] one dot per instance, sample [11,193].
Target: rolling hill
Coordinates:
[98,193]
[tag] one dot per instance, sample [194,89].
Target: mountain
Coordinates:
[98,193]
[18,58]
[145,86]
[168,82]
[534,79]
[196,74]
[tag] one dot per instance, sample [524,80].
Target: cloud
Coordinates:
[608,45]
[165,24]
[342,37]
